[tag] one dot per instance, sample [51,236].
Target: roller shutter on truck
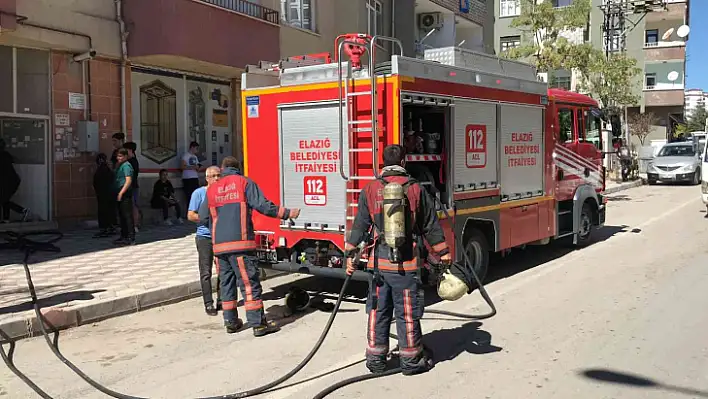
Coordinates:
[310,165]
[521,151]
[475,146]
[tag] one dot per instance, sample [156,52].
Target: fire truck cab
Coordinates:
[511,162]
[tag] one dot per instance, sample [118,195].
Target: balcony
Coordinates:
[664,95]
[213,37]
[663,51]
[8,19]
[675,12]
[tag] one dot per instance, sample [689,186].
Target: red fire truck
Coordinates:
[512,162]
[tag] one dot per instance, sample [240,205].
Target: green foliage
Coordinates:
[611,79]
[680,130]
[697,120]
[542,25]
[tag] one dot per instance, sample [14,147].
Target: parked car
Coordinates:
[675,162]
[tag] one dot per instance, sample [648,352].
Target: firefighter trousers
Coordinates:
[403,293]
[241,270]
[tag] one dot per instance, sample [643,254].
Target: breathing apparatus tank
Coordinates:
[394,218]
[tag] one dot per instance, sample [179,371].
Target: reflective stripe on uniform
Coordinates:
[407,266]
[234,246]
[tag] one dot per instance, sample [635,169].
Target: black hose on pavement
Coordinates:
[20,241]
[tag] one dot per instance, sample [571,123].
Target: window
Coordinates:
[32,81]
[580,127]
[616,43]
[649,80]
[375,23]
[651,37]
[158,121]
[509,42]
[592,128]
[298,13]
[565,125]
[6,94]
[509,8]
[562,3]
[561,82]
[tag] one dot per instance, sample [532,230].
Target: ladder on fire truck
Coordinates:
[360,126]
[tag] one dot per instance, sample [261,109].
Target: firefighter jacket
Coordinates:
[227,211]
[421,221]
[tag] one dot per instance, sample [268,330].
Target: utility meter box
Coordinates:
[87,133]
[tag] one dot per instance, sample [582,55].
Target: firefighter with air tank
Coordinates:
[397,212]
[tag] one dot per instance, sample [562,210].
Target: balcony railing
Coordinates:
[247,8]
[676,43]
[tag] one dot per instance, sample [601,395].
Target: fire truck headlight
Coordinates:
[281,241]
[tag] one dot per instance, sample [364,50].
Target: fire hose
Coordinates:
[29,246]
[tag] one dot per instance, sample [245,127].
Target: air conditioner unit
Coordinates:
[430,20]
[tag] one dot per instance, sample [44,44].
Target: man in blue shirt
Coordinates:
[203,241]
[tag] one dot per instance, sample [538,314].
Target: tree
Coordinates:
[640,125]
[697,119]
[680,131]
[542,26]
[611,79]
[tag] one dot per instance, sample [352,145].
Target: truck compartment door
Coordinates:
[522,149]
[309,164]
[475,146]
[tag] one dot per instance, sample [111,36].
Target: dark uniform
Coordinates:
[397,285]
[228,211]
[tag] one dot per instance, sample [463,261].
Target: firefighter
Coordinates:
[227,210]
[396,284]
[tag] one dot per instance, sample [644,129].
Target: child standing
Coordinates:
[124,198]
[103,187]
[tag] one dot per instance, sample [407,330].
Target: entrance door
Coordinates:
[26,141]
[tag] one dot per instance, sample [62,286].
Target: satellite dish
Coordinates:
[683,31]
[673,75]
[667,34]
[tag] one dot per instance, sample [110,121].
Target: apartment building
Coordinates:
[652,39]
[694,98]
[311,26]
[165,72]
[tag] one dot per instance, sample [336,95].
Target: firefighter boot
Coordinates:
[234,327]
[266,327]
[376,364]
[418,365]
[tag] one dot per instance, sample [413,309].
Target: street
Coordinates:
[623,318]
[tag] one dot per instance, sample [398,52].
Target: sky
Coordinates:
[697,58]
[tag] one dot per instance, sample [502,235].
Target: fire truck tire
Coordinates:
[585,227]
[477,250]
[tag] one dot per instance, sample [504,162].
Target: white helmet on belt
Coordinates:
[451,287]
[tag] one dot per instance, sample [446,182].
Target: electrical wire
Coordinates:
[20,241]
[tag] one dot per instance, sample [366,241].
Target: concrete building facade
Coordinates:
[164,72]
[651,39]
[167,72]
[694,98]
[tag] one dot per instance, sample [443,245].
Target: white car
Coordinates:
[675,162]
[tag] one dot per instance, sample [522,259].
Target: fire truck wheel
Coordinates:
[585,227]
[478,253]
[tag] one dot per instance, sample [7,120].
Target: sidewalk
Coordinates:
[612,186]
[91,279]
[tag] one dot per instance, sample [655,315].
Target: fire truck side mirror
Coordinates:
[616,126]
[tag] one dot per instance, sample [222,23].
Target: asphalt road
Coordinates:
[624,318]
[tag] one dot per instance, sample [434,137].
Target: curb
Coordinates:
[62,318]
[624,186]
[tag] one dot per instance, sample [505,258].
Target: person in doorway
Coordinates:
[163,197]
[231,201]
[190,170]
[396,285]
[124,197]
[133,159]
[117,139]
[9,184]
[103,188]
[204,244]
